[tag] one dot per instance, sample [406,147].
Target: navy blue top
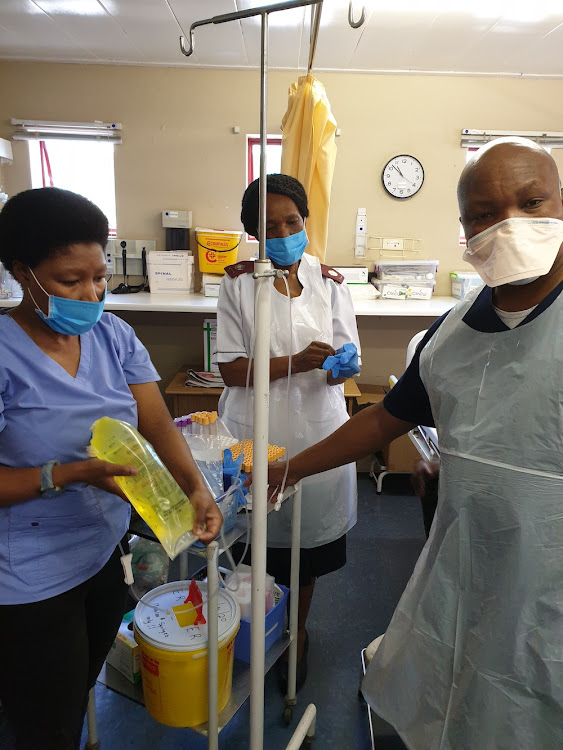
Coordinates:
[408,399]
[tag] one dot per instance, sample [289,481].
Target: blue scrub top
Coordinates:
[54,542]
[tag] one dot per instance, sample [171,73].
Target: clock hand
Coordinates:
[402,175]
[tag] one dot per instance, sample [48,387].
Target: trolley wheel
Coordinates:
[92,746]
[287,714]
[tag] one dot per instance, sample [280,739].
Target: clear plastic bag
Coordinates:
[207,439]
[153,492]
[149,564]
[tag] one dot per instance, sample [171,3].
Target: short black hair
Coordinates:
[281,184]
[37,223]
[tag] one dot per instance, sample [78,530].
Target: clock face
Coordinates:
[403,176]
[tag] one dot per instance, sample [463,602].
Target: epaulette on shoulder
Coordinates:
[243,266]
[331,273]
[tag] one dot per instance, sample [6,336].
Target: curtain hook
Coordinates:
[355,24]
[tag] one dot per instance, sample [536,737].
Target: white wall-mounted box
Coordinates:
[177,219]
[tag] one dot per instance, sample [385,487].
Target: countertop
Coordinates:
[197,303]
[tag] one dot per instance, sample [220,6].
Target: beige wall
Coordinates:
[179,152]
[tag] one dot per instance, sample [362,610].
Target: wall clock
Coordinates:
[403,176]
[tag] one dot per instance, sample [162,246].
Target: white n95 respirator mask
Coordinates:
[515,251]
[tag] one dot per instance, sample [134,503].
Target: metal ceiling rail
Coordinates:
[236,16]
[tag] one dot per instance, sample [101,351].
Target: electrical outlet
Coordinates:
[393,244]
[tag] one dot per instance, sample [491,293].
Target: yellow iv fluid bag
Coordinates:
[153,492]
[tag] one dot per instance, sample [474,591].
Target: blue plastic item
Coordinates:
[273,630]
[230,471]
[344,362]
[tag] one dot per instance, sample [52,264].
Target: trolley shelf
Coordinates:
[242,525]
[114,680]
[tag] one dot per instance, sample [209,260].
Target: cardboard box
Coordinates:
[211,290]
[170,271]
[209,278]
[210,345]
[400,455]
[124,655]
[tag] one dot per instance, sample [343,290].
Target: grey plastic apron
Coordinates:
[472,658]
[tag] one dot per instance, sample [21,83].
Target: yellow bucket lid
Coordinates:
[157,623]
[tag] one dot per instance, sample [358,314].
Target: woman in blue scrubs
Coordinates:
[64,364]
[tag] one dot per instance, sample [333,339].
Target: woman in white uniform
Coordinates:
[322,320]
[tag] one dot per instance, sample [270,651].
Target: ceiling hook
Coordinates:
[355,24]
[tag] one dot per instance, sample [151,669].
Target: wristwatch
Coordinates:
[47,477]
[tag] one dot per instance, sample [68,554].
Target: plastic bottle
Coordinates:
[153,492]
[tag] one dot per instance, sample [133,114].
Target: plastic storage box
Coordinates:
[463,282]
[274,625]
[405,290]
[406,270]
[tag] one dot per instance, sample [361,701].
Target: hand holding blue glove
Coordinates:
[344,362]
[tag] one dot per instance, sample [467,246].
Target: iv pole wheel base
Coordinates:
[92,746]
[308,739]
[288,714]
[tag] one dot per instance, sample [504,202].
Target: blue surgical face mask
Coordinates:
[285,251]
[69,316]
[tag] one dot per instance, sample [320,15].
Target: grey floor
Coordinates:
[349,609]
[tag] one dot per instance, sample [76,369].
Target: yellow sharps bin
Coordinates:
[174,654]
[217,248]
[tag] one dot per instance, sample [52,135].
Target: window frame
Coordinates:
[42,145]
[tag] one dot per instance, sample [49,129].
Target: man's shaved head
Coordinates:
[506,151]
[508,178]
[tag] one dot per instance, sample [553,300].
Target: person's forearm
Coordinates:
[19,485]
[235,373]
[366,432]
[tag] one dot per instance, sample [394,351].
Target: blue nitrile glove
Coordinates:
[230,470]
[344,362]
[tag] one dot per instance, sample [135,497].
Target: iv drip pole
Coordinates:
[263,271]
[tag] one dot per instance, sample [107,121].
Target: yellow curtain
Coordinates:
[309,153]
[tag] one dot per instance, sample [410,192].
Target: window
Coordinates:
[273,160]
[85,167]
[273,156]
[75,156]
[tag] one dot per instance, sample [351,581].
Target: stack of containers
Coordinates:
[405,279]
